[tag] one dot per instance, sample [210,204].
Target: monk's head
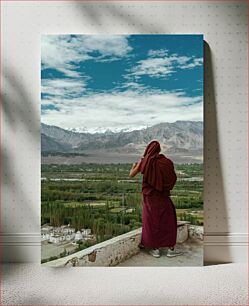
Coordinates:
[152,148]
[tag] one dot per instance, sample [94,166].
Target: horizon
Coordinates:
[116,131]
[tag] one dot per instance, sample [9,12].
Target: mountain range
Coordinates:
[178,137]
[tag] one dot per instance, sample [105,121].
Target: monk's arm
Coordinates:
[135,169]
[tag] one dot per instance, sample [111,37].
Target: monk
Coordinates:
[159,221]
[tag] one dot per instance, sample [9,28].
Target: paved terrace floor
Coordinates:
[192,256]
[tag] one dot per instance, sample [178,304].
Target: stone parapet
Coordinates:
[116,250]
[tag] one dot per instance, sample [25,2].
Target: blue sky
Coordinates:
[100,82]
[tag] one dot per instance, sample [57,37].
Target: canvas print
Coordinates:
[121,150]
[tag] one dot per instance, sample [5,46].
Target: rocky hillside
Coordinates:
[177,137]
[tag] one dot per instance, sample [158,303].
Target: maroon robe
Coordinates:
[159,221]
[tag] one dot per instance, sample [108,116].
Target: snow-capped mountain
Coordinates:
[180,136]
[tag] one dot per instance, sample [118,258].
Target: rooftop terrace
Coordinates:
[192,256]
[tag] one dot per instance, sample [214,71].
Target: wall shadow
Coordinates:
[93,16]
[22,119]
[18,113]
[214,194]
[25,118]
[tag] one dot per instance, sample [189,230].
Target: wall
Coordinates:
[116,250]
[224,25]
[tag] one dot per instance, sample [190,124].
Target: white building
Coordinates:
[55,238]
[129,210]
[70,236]
[62,233]
[86,231]
[45,237]
[67,230]
[78,236]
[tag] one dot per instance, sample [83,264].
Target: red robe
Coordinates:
[159,221]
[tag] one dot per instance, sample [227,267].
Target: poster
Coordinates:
[104,99]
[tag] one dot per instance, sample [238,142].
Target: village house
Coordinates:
[63,233]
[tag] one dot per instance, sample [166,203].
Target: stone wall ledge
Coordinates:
[113,251]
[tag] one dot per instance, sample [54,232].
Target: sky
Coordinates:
[96,83]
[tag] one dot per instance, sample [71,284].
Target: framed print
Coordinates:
[122,150]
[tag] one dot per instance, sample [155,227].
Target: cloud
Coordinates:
[65,52]
[120,110]
[196,62]
[131,85]
[62,88]
[158,53]
[71,102]
[160,64]
[154,67]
